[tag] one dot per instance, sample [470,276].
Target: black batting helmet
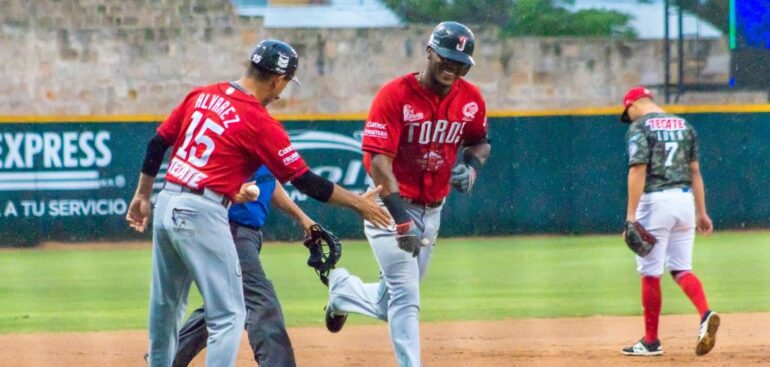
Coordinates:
[453,41]
[277,57]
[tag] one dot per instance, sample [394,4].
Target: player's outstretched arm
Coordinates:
[324,190]
[364,204]
[702,220]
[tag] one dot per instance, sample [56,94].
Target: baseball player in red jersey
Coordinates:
[220,135]
[416,125]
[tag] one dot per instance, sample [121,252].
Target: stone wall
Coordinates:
[95,57]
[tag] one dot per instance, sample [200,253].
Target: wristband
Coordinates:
[396,208]
[404,228]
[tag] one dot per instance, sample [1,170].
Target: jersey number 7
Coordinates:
[670,150]
[200,139]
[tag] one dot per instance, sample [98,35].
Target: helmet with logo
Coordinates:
[277,57]
[453,41]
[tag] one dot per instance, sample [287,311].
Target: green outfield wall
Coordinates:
[73,180]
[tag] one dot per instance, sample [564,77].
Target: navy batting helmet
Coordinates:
[453,41]
[277,57]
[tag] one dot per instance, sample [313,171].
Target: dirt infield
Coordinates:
[743,340]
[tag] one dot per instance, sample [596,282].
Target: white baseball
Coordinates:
[254,189]
[425,242]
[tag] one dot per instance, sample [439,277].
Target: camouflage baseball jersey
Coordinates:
[666,144]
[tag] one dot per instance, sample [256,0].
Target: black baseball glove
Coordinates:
[325,251]
[638,239]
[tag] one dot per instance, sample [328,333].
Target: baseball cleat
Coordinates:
[334,322]
[643,349]
[707,336]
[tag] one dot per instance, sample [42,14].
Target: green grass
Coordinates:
[468,279]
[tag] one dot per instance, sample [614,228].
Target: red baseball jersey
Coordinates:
[221,136]
[422,132]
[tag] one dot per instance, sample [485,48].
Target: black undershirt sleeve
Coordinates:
[314,186]
[156,148]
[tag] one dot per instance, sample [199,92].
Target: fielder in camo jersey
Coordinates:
[666,195]
[416,124]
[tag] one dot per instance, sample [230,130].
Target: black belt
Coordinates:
[249,226]
[211,195]
[434,204]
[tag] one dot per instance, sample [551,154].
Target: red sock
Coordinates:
[651,300]
[694,291]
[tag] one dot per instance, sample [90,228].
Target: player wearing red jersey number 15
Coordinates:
[220,135]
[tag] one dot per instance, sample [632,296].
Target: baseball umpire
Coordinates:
[416,125]
[666,195]
[221,134]
[264,320]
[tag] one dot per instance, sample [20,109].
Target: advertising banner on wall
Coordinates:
[67,181]
[74,181]
[548,174]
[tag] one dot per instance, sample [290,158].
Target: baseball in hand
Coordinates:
[254,189]
[424,242]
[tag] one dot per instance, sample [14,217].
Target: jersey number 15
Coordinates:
[200,139]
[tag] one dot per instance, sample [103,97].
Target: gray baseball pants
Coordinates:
[192,242]
[396,297]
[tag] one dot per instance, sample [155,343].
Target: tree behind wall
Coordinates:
[517,17]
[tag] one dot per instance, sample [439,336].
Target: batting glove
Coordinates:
[463,177]
[408,238]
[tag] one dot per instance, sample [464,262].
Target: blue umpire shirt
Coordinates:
[253,214]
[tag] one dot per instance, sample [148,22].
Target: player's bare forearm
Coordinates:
[698,188]
[381,171]
[702,221]
[144,188]
[282,201]
[343,197]
[636,179]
